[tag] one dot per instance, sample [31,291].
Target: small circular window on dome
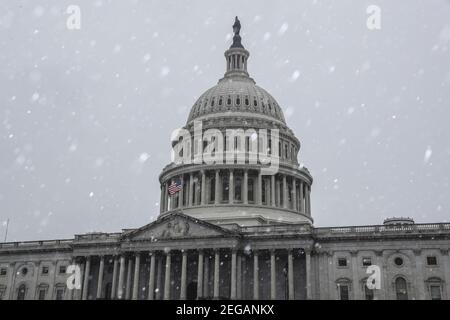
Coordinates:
[24,271]
[398,261]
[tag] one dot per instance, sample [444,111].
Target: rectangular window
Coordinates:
[41,294]
[59,294]
[343,292]
[367,261]
[435,292]
[342,262]
[44,270]
[368,293]
[431,261]
[2,293]
[62,269]
[3,272]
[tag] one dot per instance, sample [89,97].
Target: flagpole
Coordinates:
[7,225]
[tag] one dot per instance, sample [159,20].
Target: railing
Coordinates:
[405,228]
[284,228]
[39,243]
[97,236]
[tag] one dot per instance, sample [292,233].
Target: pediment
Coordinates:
[175,226]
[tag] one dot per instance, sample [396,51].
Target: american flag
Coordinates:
[175,186]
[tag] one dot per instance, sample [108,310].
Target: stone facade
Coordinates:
[232,231]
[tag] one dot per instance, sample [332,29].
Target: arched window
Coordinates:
[21,293]
[401,289]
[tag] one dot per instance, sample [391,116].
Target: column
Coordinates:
[206,277]
[129,274]
[191,189]
[259,190]
[302,203]
[231,187]
[273,273]
[161,200]
[159,279]
[183,275]
[420,284]
[216,273]
[245,197]
[239,276]
[86,278]
[200,272]
[294,194]
[137,264]
[151,281]
[166,197]
[167,277]
[233,275]
[217,188]
[277,192]
[121,278]
[114,279]
[203,195]
[291,275]
[285,193]
[272,191]
[308,275]
[446,258]
[355,272]
[307,203]
[255,276]
[180,194]
[100,277]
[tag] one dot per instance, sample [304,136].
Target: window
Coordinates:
[398,261]
[42,294]
[62,269]
[21,292]
[3,272]
[368,293]
[431,261]
[367,261]
[225,186]
[238,189]
[59,293]
[2,292]
[212,192]
[342,262]
[24,271]
[44,270]
[401,289]
[343,292]
[250,190]
[435,291]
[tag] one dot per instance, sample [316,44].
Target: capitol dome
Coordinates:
[238,191]
[233,94]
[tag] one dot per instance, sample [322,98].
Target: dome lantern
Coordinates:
[236,57]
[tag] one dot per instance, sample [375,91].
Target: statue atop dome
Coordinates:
[237,38]
[236,26]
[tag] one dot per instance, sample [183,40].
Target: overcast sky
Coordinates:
[86,115]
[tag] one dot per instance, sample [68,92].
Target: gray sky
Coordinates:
[86,115]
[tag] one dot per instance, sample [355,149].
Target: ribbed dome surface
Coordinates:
[236,94]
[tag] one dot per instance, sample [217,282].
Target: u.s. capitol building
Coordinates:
[237,228]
